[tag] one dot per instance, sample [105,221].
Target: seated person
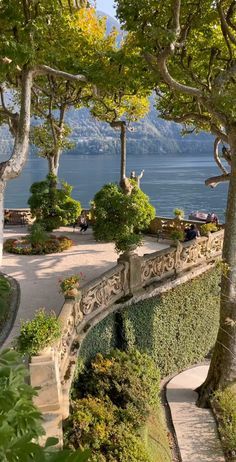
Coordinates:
[191,233]
[83,224]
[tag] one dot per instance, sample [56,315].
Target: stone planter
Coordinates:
[73,294]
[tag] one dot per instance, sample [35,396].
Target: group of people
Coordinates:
[192,231]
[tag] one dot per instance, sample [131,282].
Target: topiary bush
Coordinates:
[38,333]
[177,328]
[52,206]
[119,217]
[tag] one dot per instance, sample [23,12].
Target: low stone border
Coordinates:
[13,309]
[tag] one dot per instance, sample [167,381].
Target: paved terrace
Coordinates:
[39,275]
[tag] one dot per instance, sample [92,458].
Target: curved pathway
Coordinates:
[195,428]
[39,275]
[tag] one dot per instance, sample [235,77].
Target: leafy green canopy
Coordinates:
[189,49]
[53,207]
[119,217]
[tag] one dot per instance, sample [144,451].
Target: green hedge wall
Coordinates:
[100,339]
[177,328]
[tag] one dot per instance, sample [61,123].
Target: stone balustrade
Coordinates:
[53,370]
[163,226]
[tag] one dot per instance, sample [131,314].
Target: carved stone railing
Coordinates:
[168,262]
[163,226]
[53,370]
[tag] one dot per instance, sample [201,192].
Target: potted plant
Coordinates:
[39,333]
[208,228]
[178,213]
[70,286]
[177,235]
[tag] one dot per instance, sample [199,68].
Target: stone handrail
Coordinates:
[163,226]
[53,370]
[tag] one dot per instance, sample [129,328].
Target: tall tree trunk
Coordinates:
[53,162]
[123,152]
[2,190]
[223,364]
[13,167]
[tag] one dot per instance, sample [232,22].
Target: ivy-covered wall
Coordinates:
[177,328]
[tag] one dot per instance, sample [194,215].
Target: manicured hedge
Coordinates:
[101,339]
[177,328]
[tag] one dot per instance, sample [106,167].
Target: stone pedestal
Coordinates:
[134,261]
[44,374]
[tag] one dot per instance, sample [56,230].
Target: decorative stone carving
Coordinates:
[102,294]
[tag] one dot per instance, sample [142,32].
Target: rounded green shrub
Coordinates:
[208,228]
[130,380]
[52,206]
[119,218]
[39,333]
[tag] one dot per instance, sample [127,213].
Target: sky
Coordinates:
[106,6]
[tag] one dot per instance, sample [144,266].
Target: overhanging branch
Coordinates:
[215,180]
[46,70]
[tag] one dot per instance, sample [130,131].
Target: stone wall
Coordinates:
[132,279]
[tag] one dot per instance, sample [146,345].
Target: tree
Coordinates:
[35,37]
[124,98]
[52,98]
[189,48]
[21,422]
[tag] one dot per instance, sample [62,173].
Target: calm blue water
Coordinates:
[169,181]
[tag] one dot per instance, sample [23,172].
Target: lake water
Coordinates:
[170,181]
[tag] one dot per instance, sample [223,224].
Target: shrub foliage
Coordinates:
[38,333]
[112,399]
[52,206]
[177,328]
[119,217]
[30,246]
[21,422]
[226,401]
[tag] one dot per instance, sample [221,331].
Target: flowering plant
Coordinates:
[71,284]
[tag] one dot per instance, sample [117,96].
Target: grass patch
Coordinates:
[225,404]
[5,298]
[155,436]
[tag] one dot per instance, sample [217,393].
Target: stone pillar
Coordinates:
[44,374]
[134,278]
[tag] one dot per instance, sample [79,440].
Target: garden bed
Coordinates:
[23,246]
